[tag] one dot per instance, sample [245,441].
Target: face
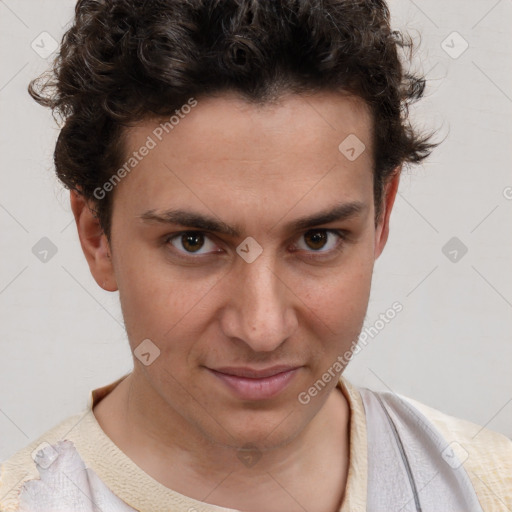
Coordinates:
[243,246]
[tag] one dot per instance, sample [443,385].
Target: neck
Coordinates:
[308,471]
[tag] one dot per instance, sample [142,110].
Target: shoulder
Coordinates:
[491,446]
[481,458]
[485,455]
[22,467]
[26,464]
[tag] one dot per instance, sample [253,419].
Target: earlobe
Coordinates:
[382,231]
[94,242]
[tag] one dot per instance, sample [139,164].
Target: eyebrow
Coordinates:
[192,219]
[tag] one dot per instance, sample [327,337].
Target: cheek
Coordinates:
[158,302]
[342,301]
[338,304]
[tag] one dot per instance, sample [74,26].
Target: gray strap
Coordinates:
[406,469]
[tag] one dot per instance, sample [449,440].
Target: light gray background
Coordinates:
[450,347]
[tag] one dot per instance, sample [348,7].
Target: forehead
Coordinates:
[227,147]
[247,127]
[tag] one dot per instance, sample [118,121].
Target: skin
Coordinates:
[301,302]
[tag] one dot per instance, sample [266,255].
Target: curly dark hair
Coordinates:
[123,61]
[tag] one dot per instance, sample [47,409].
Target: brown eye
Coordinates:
[321,242]
[316,239]
[192,242]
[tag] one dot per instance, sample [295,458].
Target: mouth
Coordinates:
[255,384]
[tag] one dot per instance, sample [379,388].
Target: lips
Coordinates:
[250,373]
[255,384]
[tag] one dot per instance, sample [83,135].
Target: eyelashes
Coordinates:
[314,243]
[192,239]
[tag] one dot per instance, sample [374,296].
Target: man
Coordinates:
[233,167]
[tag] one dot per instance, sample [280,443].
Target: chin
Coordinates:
[262,429]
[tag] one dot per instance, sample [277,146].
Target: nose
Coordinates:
[260,311]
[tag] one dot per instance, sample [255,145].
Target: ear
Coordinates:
[94,242]
[382,229]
